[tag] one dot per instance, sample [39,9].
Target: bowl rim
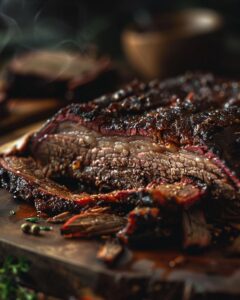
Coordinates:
[189,15]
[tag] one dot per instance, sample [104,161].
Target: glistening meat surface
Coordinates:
[114,162]
[148,133]
[153,133]
[24,178]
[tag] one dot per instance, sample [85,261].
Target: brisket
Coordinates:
[148,133]
[137,143]
[146,225]
[91,224]
[58,74]
[195,232]
[110,252]
[24,178]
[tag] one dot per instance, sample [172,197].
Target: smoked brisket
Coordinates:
[166,145]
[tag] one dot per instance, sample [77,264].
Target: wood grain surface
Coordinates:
[24,112]
[64,267]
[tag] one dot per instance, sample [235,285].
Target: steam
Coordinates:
[34,24]
[11,30]
[67,43]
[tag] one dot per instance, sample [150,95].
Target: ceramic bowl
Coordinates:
[174,42]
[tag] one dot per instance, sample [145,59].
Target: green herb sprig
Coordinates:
[11,272]
[33,220]
[46,228]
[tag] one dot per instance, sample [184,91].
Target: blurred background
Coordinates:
[78,24]
[87,48]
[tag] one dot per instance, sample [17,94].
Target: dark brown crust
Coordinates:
[191,110]
[159,101]
[28,190]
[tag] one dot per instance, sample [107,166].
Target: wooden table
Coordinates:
[64,267]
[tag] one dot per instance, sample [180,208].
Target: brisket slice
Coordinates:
[187,126]
[108,163]
[110,251]
[91,224]
[143,135]
[58,74]
[195,232]
[25,180]
[147,224]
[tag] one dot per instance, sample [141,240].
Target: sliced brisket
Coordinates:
[148,133]
[137,141]
[25,179]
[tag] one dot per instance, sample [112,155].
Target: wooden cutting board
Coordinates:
[23,112]
[64,267]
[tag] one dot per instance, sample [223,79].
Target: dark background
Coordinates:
[75,24]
